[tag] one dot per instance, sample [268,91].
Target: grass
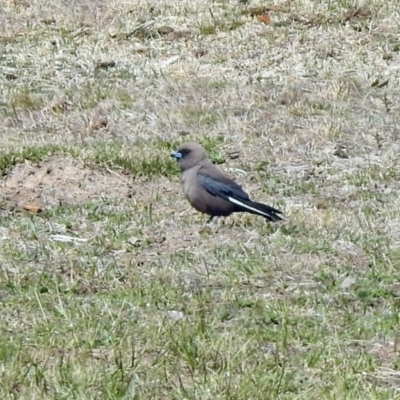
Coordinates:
[139,162]
[118,289]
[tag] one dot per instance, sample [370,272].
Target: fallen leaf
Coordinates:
[32,208]
[378,84]
[165,30]
[175,35]
[10,77]
[99,123]
[361,12]
[264,18]
[375,82]
[341,152]
[382,84]
[106,64]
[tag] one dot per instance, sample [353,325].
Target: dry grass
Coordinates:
[117,289]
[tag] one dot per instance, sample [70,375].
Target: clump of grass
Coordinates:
[219,26]
[146,160]
[138,161]
[9,159]
[25,100]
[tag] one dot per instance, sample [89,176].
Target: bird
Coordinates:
[211,192]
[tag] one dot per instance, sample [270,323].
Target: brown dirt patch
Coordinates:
[61,180]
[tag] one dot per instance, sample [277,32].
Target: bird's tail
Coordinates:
[268,212]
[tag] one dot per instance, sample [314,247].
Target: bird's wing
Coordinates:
[221,186]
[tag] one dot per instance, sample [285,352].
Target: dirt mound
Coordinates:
[59,181]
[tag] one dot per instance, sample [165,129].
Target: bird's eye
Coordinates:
[186,151]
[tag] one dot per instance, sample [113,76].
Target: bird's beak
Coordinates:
[176,155]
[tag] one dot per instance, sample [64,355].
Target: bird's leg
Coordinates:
[212,220]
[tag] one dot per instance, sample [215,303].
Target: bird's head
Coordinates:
[188,155]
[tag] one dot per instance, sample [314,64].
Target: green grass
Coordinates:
[140,161]
[117,289]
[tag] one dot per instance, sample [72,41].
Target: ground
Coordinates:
[111,286]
